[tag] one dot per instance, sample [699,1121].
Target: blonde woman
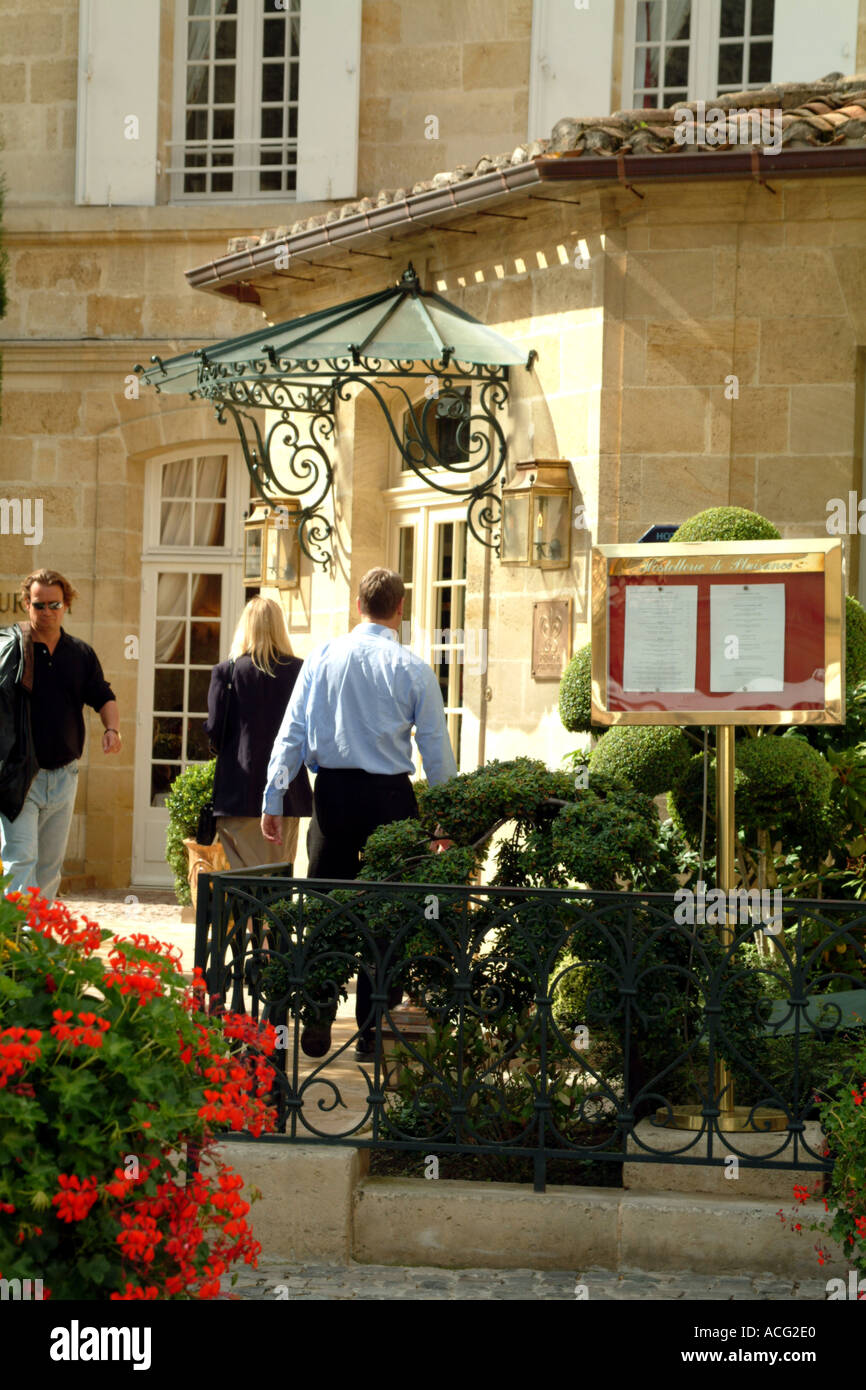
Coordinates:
[246,702]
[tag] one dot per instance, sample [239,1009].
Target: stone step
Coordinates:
[318,1205]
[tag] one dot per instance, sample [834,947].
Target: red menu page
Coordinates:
[804,646]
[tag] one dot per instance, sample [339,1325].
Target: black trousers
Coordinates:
[348,805]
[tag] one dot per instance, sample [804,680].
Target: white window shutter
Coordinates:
[811,40]
[570,64]
[328,100]
[118,80]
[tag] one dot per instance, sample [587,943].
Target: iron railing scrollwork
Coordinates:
[303,468]
[557,1023]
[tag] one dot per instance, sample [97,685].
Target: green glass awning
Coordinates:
[400,326]
[448,430]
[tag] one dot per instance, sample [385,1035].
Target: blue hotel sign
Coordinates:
[658,533]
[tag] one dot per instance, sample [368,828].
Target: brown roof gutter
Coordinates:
[222,276]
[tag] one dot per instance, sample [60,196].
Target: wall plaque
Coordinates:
[551,638]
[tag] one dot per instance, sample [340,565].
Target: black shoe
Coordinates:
[316,1039]
[365,1051]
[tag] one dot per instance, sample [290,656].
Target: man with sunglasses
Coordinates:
[46,679]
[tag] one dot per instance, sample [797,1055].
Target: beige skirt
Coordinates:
[245,846]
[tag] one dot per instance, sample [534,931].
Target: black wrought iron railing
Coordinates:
[542,1024]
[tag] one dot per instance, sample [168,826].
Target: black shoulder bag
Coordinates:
[206,830]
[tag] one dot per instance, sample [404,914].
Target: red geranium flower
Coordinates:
[75,1198]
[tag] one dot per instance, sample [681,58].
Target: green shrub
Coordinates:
[188,794]
[471,805]
[649,758]
[575,691]
[601,836]
[726,524]
[685,800]
[855,642]
[780,784]
[786,784]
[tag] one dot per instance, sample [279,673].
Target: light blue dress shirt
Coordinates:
[354,706]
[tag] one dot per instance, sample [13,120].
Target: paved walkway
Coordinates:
[154,912]
[277,1280]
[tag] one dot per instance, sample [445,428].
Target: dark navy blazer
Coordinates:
[257,703]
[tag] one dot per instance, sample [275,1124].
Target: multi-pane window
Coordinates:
[278,105]
[682,50]
[188,632]
[193,502]
[662,46]
[745,45]
[431,561]
[406,570]
[236,105]
[448,648]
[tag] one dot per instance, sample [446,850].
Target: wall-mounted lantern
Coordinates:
[272,552]
[536,516]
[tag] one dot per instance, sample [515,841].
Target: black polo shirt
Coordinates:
[64,681]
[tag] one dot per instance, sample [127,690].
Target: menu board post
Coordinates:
[719,633]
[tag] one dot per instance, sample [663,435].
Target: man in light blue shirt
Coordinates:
[354,706]
[350,720]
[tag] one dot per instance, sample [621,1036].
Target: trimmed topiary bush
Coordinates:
[786,787]
[575,690]
[781,785]
[726,524]
[471,805]
[649,758]
[603,835]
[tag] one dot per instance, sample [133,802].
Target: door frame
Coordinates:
[225,560]
[423,507]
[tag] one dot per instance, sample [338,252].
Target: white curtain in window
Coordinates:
[210,482]
[677,13]
[177,484]
[170,600]
[198,50]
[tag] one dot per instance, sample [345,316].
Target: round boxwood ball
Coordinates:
[575,692]
[786,783]
[649,758]
[780,784]
[726,524]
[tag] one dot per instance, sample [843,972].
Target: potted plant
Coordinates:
[188,795]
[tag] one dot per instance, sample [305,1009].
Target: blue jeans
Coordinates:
[32,845]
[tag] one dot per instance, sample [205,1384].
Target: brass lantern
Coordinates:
[536,516]
[272,552]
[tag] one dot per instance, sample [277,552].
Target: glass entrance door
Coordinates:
[191,599]
[183,636]
[431,560]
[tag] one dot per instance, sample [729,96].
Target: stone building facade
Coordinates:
[644,287]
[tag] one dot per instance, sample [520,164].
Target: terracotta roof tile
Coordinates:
[831,111]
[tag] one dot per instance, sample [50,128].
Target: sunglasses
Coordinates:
[40,606]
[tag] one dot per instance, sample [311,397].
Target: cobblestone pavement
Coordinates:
[275,1279]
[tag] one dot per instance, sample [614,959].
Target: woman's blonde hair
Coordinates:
[262,634]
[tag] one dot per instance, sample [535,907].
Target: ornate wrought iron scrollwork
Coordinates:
[467,461]
[550,1024]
